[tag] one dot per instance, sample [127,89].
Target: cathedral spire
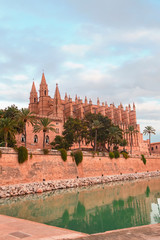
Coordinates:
[43,80]
[43,87]
[57,93]
[33,90]
[33,99]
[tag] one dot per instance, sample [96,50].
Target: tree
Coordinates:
[99,125]
[115,136]
[43,124]
[131,131]
[123,144]
[95,126]
[148,131]
[74,131]
[26,117]
[7,127]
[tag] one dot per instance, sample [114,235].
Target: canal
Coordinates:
[93,209]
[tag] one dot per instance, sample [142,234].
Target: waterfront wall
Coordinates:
[52,167]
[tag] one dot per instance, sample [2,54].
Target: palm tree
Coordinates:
[43,124]
[148,131]
[26,117]
[115,136]
[7,126]
[123,144]
[95,126]
[131,130]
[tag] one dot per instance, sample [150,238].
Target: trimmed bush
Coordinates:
[93,153]
[45,151]
[116,154]
[143,159]
[22,154]
[111,155]
[125,155]
[0,153]
[63,154]
[78,156]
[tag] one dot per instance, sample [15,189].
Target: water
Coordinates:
[93,209]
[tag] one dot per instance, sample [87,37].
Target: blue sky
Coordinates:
[96,48]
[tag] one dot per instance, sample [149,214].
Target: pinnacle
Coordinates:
[57,93]
[43,80]
[33,87]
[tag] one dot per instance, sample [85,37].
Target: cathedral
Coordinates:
[59,110]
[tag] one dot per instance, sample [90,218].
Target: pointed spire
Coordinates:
[57,93]
[129,106]
[85,100]
[43,80]
[98,102]
[134,107]
[33,88]
[66,98]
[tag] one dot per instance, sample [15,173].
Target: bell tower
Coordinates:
[43,97]
[33,105]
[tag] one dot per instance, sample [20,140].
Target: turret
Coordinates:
[33,94]
[57,106]
[43,87]
[43,98]
[33,99]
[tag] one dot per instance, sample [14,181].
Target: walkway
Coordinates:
[14,228]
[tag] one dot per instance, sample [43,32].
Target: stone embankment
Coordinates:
[39,187]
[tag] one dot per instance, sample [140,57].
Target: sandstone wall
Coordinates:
[52,167]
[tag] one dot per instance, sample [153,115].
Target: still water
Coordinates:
[92,209]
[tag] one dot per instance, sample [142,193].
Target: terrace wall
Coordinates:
[52,167]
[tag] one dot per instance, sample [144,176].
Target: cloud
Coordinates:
[73,65]
[76,49]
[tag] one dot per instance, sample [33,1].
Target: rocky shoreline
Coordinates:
[40,187]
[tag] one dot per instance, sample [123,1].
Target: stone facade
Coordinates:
[155,148]
[59,110]
[51,167]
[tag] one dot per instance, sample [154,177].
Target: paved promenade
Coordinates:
[13,228]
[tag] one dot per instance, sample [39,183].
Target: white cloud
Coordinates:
[73,65]
[76,49]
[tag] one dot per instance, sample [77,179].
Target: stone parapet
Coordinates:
[39,187]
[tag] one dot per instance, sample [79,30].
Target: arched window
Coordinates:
[34,100]
[45,92]
[57,130]
[156,147]
[22,138]
[47,139]
[35,139]
[152,148]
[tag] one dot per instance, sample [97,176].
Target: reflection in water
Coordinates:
[147,191]
[92,209]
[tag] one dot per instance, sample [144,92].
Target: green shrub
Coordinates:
[31,155]
[125,155]
[0,153]
[116,154]
[78,156]
[22,154]
[63,154]
[45,151]
[143,159]
[2,144]
[111,155]
[93,153]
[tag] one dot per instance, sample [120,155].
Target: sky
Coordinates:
[96,48]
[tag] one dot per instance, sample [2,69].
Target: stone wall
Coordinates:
[52,167]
